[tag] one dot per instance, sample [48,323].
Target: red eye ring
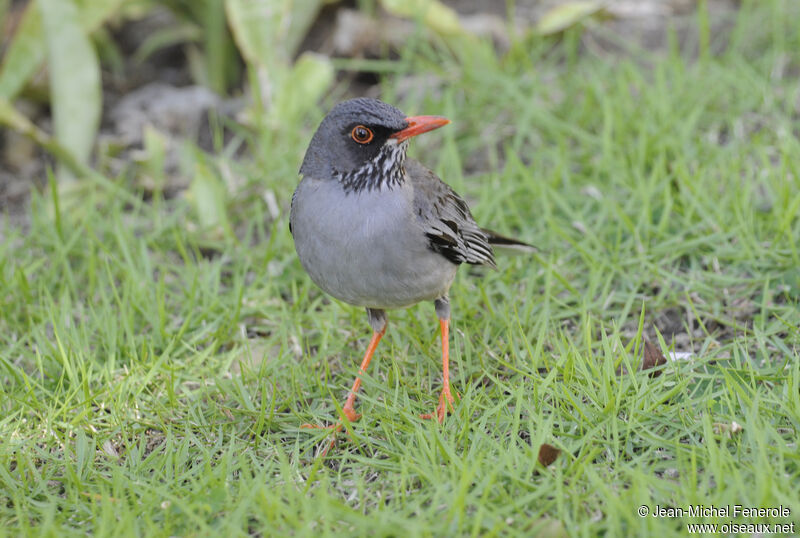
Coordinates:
[361,134]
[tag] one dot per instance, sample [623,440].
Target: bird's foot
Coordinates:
[309,426]
[349,412]
[445,401]
[351,415]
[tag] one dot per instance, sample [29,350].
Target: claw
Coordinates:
[445,402]
[349,412]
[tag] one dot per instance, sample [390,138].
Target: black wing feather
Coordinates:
[449,226]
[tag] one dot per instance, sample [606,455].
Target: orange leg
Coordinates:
[349,407]
[446,398]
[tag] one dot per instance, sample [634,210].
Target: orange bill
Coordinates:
[418,125]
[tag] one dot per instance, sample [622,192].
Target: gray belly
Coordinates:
[366,249]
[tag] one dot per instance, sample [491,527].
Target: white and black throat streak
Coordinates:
[384,169]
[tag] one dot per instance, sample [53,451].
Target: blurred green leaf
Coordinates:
[255,26]
[207,195]
[154,158]
[434,14]
[166,37]
[218,48]
[28,48]
[10,117]
[4,5]
[109,52]
[24,55]
[93,13]
[75,91]
[203,28]
[268,32]
[306,83]
[566,15]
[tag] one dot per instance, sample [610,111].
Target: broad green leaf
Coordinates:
[306,83]
[75,92]
[93,13]
[566,15]
[24,55]
[154,157]
[28,49]
[434,14]
[254,26]
[207,194]
[268,32]
[218,47]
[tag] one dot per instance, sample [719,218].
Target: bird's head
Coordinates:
[362,143]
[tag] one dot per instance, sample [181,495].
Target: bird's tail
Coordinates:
[508,244]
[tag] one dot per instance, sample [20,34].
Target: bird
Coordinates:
[378,230]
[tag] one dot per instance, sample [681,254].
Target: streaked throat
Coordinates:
[384,171]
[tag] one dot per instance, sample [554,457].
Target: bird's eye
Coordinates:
[361,134]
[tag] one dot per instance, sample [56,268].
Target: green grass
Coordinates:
[154,379]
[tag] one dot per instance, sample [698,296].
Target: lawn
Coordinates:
[154,376]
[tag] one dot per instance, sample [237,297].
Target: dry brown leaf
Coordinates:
[548,454]
[652,358]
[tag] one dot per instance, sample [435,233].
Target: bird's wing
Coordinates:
[449,226]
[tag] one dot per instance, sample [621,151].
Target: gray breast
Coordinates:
[366,248]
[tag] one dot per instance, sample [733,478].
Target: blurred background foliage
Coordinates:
[71,67]
[59,52]
[150,92]
[68,42]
